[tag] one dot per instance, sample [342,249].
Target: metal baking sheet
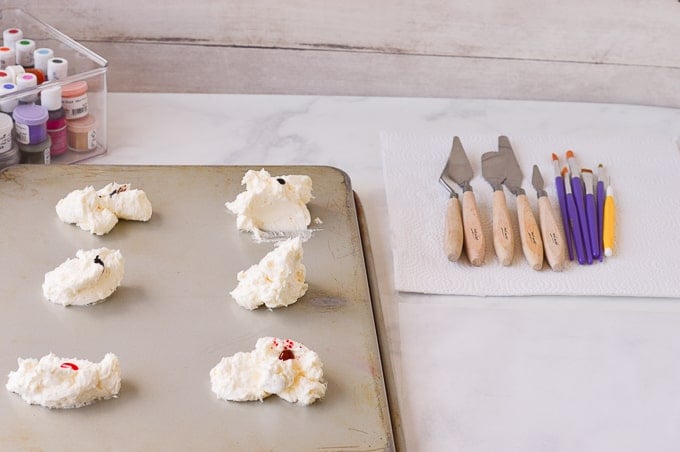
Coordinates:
[172,319]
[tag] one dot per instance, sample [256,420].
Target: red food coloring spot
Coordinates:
[286,355]
[69,366]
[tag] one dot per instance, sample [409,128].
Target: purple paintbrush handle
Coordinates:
[577,189]
[562,198]
[591,213]
[600,216]
[575,227]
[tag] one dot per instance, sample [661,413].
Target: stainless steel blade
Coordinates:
[537,182]
[458,167]
[493,169]
[513,172]
[446,180]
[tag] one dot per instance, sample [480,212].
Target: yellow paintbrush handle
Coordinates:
[609,223]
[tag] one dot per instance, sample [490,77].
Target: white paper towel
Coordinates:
[645,175]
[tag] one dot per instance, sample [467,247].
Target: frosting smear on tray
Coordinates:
[270,203]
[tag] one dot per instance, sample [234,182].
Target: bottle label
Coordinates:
[92,139]
[22,133]
[5,142]
[75,107]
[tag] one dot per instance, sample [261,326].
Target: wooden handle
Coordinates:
[453,230]
[554,243]
[532,245]
[503,237]
[475,245]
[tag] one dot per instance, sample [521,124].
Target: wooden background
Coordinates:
[622,51]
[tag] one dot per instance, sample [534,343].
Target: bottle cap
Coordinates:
[24,49]
[30,114]
[26,80]
[74,89]
[50,98]
[5,77]
[40,58]
[8,106]
[84,124]
[11,35]
[15,71]
[7,57]
[57,68]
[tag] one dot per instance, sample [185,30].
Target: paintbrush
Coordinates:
[591,212]
[579,198]
[600,194]
[574,227]
[562,199]
[609,221]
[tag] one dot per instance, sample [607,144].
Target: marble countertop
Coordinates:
[472,373]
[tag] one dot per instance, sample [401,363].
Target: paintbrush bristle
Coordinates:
[570,154]
[565,170]
[586,170]
[554,156]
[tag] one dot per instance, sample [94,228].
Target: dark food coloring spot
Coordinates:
[281,181]
[286,355]
[120,189]
[98,261]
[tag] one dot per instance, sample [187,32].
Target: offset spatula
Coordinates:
[493,170]
[554,243]
[453,221]
[529,234]
[459,171]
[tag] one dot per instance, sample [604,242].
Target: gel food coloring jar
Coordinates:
[6,127]
[10,157]
[74,99]
[82,134]
[30,123]
[35,153]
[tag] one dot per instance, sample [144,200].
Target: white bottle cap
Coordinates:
[50,98]
[5,77]
[57,68]
[27,80]
[24,49]
[40,58]
[7,57]
[15,71]
[8,106]
[11,35]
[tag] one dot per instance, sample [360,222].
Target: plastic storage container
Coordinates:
[83,66]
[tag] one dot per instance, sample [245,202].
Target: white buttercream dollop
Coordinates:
[277,280]
[125,202]
[55,382]
[99,211]
[269,203]
[282,367]
[91,276]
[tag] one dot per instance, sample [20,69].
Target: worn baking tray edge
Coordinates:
[398,440]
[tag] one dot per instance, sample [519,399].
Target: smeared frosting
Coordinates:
[272,203]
